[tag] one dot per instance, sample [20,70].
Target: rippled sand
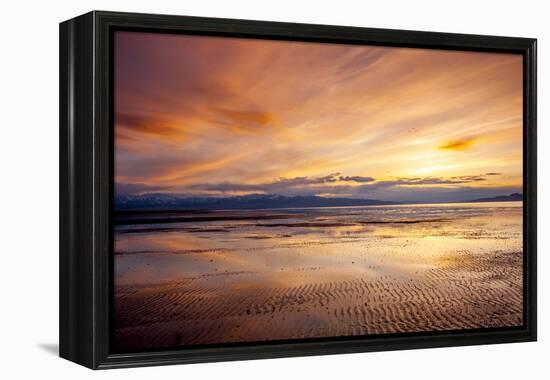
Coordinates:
[242,276]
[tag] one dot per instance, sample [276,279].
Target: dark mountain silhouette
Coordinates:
[252,201]
[501,198]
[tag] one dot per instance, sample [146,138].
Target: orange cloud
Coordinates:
[462,144]
[194,110]
[239,121]
[159,127]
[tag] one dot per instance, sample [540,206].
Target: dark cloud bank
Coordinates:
[336,185]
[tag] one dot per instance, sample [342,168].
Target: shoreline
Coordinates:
[325,273]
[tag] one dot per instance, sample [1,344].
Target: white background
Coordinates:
[29,187]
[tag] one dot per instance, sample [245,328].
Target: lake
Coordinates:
[211,276]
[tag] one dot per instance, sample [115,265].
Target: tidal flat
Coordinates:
[185,278]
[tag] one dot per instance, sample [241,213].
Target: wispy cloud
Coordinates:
[209,115]
[140,188]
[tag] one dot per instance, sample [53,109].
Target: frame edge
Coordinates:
[76,272]
[83,108]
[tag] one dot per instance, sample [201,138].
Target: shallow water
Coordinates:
[253,254]
[346,241]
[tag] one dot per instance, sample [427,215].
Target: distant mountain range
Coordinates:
[501,198]
[252,201]
[258,201]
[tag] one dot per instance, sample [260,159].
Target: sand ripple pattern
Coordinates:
[465,291]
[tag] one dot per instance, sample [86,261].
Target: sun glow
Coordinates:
[213,123]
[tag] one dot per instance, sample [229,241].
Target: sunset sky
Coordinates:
[210,116]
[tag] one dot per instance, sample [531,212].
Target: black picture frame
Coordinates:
[86,185]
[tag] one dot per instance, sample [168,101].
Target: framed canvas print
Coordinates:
[237,189]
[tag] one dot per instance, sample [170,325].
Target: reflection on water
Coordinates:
[345,241]
[236,252]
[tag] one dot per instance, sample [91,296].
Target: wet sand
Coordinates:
[319,273]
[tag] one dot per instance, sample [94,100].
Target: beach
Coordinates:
[198,277]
